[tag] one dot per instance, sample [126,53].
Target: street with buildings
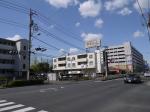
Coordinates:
[74,56]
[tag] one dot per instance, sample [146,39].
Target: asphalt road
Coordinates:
[86,96]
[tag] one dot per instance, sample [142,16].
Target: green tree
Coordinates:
[40,68]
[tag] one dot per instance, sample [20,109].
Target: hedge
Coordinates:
[19,83]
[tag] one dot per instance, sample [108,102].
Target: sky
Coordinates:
[74,21]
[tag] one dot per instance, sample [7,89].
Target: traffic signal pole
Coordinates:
[29,46]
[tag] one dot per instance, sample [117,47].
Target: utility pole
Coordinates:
[30,36]
[106,62]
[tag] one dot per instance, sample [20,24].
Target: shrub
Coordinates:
[19,83]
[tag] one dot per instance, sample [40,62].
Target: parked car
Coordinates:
[132,78]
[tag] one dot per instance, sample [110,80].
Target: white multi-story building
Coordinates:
[13,57]
[120,58]
[87,63]
[124,58]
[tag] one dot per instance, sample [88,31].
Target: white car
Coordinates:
[146,74]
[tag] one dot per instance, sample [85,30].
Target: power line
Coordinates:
[12,23]
[46,55]
[58,27]
[17,8]
[22,9]
[21,6]
[148,32]
[12,6]
[48,44]
[57,38]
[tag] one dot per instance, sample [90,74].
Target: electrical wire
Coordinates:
[60,28]
[19,8]
[22,9]
[14,7]
[148,32]
[57,38]
[46,55]
[48,44]
[12,23]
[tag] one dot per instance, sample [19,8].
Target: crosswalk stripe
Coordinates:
[24,109]
[11,107]
[5,104]
[42,111]
[2,101]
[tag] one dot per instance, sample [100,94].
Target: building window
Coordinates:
[68,59]
[73,58]
[69,65]
[90,56]
[91,63]
[55,66]
[55,60]
[62,65]
[24,48]
[24,66]
[82,63]
[24,57]
[82,56]
[73,65]
[62,59]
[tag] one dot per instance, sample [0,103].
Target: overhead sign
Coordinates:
[92,43]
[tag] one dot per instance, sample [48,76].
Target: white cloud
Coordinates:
[90,8]
[61,51]
[115,4]
[143,4]
[62,3]
[77,24]
[14,38]
[83,35]
[91,36]
[138,34]
[73,50]
[99,23]
[125,11]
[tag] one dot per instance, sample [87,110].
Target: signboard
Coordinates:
[92,43]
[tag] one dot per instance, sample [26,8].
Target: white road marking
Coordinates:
[11,107]
[98,81]
[24,109]
[2,101]
[44,90]
[8,106]
[5,104]
[42,111]
[61,87]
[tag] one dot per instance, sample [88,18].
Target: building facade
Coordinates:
[13,57]
[87,63]
[120,58]
[125,58]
